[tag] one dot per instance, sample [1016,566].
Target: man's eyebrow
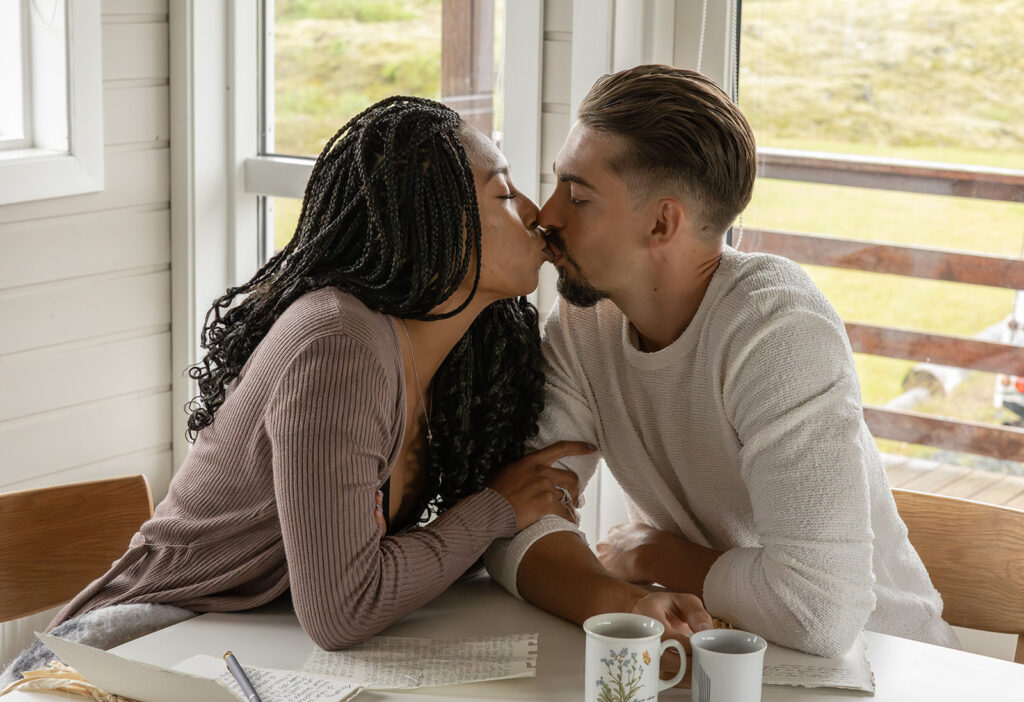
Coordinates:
[571,178]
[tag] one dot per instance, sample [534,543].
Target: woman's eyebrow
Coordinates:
[501,170]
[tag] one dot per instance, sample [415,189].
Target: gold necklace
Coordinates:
[416,375]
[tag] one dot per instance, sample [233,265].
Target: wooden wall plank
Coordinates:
[956,351]
[63,376]
[136,114]
[39,251]
[554,128]
[87,434]
[135,51]
[558,16]
[557,71]
[133,7]
[878,257]
[154,463]
[82,309]
[133,178]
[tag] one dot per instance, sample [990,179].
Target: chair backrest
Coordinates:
[974,553]
[54,541]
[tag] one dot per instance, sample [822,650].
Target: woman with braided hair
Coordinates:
[385,354]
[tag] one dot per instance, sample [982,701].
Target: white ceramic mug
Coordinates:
[624,658]
[727,666]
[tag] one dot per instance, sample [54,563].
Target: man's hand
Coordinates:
[682,614]
[620,550]
[639,553]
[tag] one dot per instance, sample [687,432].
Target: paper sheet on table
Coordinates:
[273,685]
[134,679]
[784,666]
[388,662]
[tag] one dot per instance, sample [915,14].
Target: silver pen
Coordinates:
[243,681]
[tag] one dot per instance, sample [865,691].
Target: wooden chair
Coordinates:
[974,553]
[54,541]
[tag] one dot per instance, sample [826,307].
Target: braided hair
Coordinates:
[390,216]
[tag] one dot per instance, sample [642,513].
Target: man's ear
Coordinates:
[670,220]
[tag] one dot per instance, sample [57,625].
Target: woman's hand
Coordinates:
[535,489]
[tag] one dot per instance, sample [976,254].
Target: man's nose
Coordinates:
[550,216]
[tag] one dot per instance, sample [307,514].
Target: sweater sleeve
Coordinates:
[566,417]
[792,396]
[331,422]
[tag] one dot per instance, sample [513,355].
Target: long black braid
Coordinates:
[390,215]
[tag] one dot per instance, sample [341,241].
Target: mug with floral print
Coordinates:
[623,658]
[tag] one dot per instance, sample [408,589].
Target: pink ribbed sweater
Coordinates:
[278,492]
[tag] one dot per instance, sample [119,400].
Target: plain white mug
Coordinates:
[727,666]
[624,658]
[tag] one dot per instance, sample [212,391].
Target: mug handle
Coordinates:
[665,645]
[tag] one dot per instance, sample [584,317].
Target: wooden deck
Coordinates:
[955,481]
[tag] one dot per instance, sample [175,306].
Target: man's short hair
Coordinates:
[682,136]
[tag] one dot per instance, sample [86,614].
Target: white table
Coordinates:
[905,671]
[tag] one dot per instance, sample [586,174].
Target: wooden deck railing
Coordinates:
[1002,442]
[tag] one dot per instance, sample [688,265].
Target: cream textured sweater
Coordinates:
[745,435]
[278,493]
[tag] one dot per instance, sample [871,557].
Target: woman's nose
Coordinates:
[528,211]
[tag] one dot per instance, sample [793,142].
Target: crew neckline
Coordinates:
[657,360]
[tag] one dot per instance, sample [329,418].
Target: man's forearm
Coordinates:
[676,564]
[561,575]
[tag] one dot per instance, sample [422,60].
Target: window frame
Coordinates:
[61,157]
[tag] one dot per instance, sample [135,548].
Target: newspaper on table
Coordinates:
[851,671]
[390,662]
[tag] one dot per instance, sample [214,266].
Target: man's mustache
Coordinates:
[552,237]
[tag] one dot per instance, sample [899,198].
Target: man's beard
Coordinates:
[579,293]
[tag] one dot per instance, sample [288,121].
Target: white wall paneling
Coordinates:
[558,16]
[150,462]
[39,316]
[85,285]
[136,113]
[40,381]
[87,434]
[136,50]
[43,250]
[557,71]
[522,103]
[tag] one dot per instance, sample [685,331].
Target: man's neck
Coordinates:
[664,305]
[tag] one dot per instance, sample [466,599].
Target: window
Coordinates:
[888,134]
[51,110]
[324,61]
[14,102]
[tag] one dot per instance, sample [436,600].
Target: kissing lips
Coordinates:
[552,252]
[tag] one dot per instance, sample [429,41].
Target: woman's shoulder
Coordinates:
[330,313]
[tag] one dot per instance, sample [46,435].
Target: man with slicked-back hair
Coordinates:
[720,389]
